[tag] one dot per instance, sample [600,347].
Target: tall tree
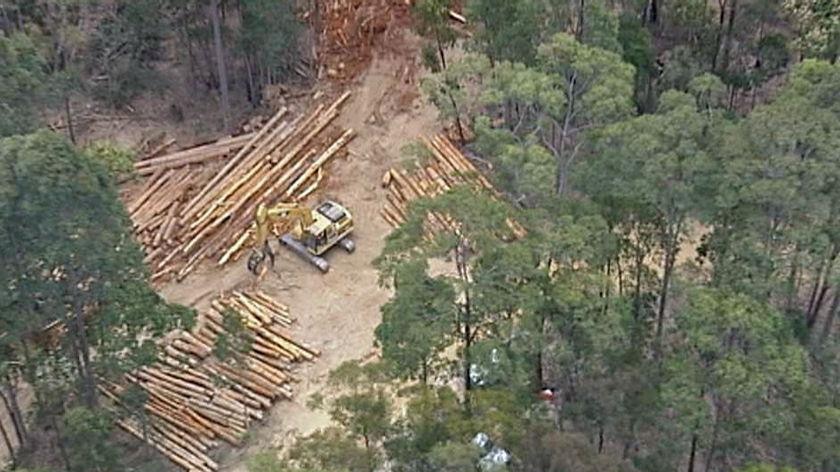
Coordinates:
[654,166]
[508,30]
[481,223]
[734,371]
[776,215]
[574,88]
[432,22]
[68,259]
[269,38]
[221,67]
[416,322]
[22,84]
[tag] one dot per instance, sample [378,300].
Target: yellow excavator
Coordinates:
[309,233]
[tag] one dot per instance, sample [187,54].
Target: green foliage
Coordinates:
[118,160]
[637,50]
[433,416]
[68,257]
[595,87]
[88,441]
[691,19]
[819,26]
[364,409]
[330,450]
[22,84]
[681,67]
[601,25]
[265,462]
[431,20]
[735,370]
[552,451]
[235,341]
[507,29]
[454,457]
[708,90]
[765,468]
[776,193]
[415,323]
[525,168]
[448,91]
[269,33]
[125,44]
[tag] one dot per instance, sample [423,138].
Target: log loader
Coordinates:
[309,233]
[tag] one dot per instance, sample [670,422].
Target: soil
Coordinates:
[337,312]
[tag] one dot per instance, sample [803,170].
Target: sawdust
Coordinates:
[338,311]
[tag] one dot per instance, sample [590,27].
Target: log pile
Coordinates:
[197,205]
[195,400]
[349,30]
[448,168]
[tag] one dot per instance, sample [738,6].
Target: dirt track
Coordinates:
[337,312]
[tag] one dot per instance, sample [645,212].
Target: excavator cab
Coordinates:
[331,226]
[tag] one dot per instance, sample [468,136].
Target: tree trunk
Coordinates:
[637,294]
[8,443]
[5,23]
[822,286]
[671,248]
[727,44]
[461,265]
[713,446]
[69,117]
[600,440]
[693,452]
[10,400]
[254,89]
[457,117]
[220,62]
[564,135]
[60,443]
[719,36]
[440,51]
[791,283]
[650,14]
[580,20]
[832,314]
[81,353]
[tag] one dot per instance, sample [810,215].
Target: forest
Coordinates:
[654,285]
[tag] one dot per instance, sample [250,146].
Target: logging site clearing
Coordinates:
[335,313]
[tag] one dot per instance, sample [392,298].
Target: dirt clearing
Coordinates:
[337,312]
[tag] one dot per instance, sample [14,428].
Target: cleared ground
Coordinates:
[338,311]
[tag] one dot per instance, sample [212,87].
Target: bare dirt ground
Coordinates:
[337,312]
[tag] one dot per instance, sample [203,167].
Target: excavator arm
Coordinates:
[284,218]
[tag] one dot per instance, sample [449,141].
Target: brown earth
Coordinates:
[338,311]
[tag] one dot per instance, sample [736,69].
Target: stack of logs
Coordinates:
[195,205]
[447,169]
[196,400]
